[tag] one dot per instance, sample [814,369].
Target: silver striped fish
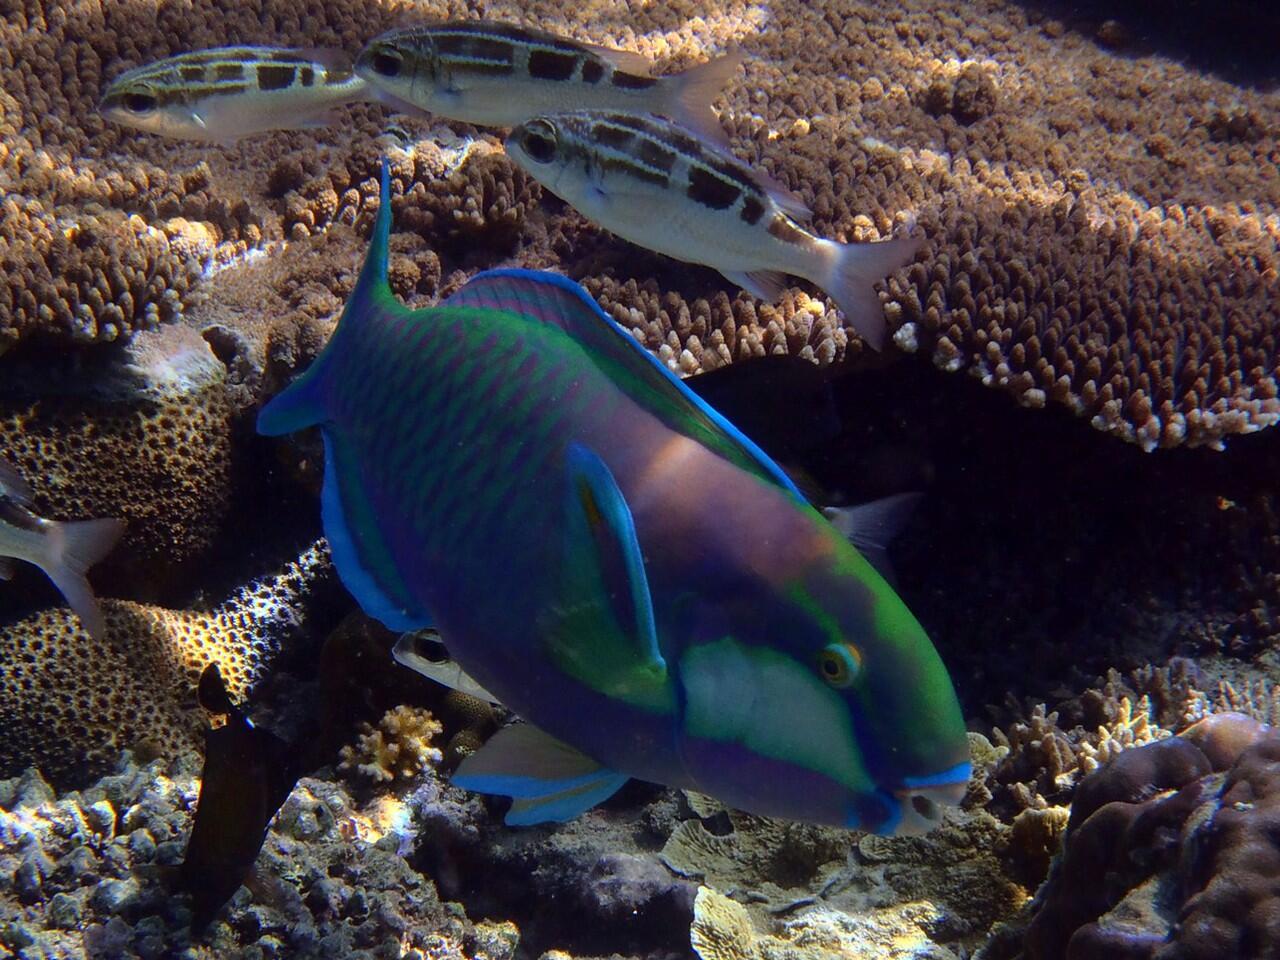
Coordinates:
[225,93]
[660,186]
[501,74]
[64,550]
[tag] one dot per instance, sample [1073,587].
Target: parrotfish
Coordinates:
[64,550]
[612,560]
[501,74]
[225,93]
[662,187]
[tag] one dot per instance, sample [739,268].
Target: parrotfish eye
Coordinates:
[538,140]
[387,62]
[839,664]
[138,102]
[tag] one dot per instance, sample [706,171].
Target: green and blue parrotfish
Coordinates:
[500,74]
[662,187]
[614,562]
[64,550]
[225,93]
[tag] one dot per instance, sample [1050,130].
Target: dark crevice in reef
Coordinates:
[1237,39]
[1044,551]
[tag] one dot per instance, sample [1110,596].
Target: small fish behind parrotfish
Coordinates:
[609,558]
[660,186]
[64,550]
[225,93]
[500,74]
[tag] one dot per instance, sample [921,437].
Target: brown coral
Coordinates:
[399,748]
[69,703]
[147,438]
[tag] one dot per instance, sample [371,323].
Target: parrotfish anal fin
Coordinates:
[602,632]
[302,403]
[408,653]
[550,298]
[363,560]
[550,780]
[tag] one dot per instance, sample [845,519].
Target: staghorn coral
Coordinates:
[146,437]
[68,703]
[399,748]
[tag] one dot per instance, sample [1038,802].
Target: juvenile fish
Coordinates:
[500,74]
[226,93]
[63,550]
[657,185]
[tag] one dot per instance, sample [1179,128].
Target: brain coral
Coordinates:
[69,703]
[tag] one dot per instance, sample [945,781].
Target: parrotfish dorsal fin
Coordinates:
[301,404]
[603,633]
[550,298]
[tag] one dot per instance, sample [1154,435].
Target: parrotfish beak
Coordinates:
[924,800]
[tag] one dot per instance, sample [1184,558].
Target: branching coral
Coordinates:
[399,748]
[69,703]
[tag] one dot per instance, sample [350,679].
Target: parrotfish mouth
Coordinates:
[922,801]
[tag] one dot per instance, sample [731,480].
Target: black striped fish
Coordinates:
[500,74]
[653,183]
[225,93]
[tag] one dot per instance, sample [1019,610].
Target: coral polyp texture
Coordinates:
[1101,220]
[70,703]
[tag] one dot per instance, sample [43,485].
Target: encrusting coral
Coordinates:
[399,748]
[69,703]
[146,436]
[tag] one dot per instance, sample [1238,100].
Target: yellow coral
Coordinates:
[399,747]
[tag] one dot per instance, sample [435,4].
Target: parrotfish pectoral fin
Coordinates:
[74,547]
[408,653]
[543,297]
[362,559]
[602,633]
[872,526]
[550,780]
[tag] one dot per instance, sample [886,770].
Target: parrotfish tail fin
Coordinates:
[74,547]
[12,483]
[691,94]
[853,271]
[550,298]
[302,403]
[549,780]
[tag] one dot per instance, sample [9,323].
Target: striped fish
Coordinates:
[662,187]
[612,560]
[500,74]
[226,93]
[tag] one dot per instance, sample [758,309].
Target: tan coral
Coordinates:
[399,748]
[69,703]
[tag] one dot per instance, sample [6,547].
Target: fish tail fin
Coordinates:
[302,403]
[692,91]
[74,547]
[853,270]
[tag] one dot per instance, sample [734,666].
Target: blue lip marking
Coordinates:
[960,773]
